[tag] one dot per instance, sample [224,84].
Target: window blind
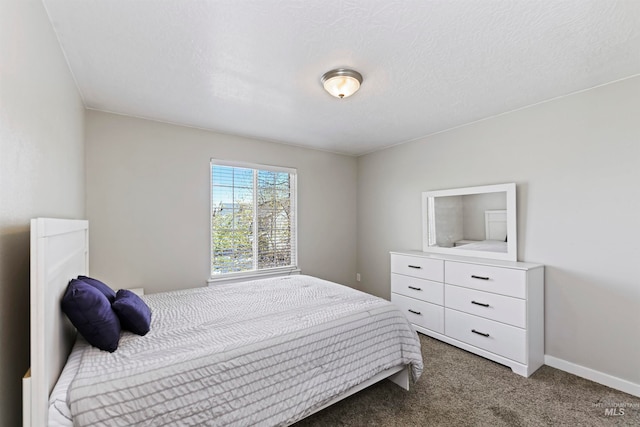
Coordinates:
[253,221]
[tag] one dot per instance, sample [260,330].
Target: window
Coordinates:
[253,219]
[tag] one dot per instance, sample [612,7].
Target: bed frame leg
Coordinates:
[401,378]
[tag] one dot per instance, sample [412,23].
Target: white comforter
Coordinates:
[257,353]
[485,245]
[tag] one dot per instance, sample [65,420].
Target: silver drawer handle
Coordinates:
[473,276]
[414,312]
[479,333]
[480,303]
[414,288]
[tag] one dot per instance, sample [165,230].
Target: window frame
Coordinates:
[265,272]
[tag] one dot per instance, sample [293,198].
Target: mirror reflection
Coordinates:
[472,221]
[479,220]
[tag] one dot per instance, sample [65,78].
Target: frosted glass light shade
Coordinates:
[341,83]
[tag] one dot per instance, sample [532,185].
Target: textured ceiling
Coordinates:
[253,68]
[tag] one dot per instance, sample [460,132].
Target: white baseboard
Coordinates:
[593,375]
[26,399]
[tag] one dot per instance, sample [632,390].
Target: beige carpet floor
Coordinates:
[458,388]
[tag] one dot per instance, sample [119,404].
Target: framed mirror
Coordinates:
[472,221]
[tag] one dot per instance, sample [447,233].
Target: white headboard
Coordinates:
[59,252]
[495,225]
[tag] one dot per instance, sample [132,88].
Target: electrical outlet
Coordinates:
[357,277]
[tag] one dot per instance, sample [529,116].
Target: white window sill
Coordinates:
[252,275]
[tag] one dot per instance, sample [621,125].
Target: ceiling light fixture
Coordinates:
[341,82]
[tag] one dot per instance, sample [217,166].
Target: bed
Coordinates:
[485,245]
[214,356]
[495,226]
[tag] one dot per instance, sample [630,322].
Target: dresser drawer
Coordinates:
[421,313]
[491,306]
[423,268]
[498,338]
[421,289]
[505,281]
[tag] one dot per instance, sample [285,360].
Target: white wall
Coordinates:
[41,170]
[449,215]
[148,202]
[575,161]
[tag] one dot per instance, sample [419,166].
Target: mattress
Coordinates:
[485,245]
[266,352]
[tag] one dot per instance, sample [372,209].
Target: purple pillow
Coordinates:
[90,312]
[134,314]
[106,290]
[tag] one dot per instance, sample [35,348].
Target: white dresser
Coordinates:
[489,307]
